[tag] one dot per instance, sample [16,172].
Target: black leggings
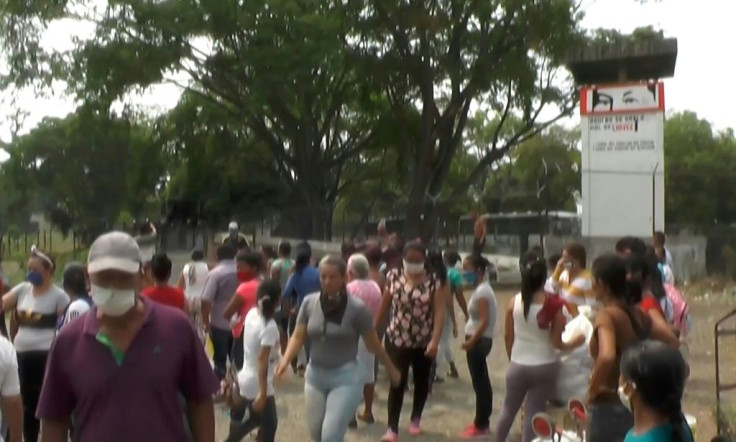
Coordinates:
[266,421]
[31,368]
[421,365]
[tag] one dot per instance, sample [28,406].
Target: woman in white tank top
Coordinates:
[191,282]
[533,334]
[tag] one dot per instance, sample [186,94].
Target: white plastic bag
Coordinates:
[577,365]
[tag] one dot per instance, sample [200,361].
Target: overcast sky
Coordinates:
[703,80]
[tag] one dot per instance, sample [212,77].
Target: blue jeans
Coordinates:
[332,397]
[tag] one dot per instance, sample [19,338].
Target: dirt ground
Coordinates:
[450,409]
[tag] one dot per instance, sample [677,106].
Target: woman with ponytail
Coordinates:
[532,341]
[255,379]
[618,325]
[651,385]
[479,329]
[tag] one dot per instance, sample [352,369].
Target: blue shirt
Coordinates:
[302,284]
[659,434]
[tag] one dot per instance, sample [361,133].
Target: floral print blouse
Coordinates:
[412,316]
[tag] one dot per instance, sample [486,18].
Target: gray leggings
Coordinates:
[332,397]
[534,385]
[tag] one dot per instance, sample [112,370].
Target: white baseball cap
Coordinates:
[114,251]
[233,225]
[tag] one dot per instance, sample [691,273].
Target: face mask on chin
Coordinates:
[113,302]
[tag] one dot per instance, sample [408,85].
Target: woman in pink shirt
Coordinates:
[364,288]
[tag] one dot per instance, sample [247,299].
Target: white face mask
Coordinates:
[413,268]
[113,302]
[624,398]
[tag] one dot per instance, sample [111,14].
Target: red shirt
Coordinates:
[247,292]
[167,295]
[649,302]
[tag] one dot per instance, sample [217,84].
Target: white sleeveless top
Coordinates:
[194,274]
[532,345]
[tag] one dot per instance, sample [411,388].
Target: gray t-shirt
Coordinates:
[37,316]
[483,291]
[334,345]
[219,288]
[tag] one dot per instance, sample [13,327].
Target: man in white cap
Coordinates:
[233,237]
[122,369]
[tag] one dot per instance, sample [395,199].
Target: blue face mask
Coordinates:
[35,278]
[469,277]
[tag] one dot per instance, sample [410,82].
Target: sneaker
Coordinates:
[453,374]
[473,432]
[415,428]
[390,436]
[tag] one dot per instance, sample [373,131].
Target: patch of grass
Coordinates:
[51,241]
[14,269]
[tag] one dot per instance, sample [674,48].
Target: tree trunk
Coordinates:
[320,220]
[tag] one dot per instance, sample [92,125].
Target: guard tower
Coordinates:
[622,125]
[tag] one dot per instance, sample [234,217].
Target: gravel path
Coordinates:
[450,409]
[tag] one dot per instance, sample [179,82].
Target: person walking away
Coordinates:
[618,325]
[74,283]
[255,379]
[456,289]
[572,281]
[268,256]
[533,332]
[643,270]
[192,280]
[249,266]
[303,281]
[651,384]
[658,240]
[417,306]
[10,396]
[149,349]
[365,289]
[281,267]
[38,305]
[280,270]
[479,330]
[374,256]
[436,269]
[334,321]
[161,291]
[219,287]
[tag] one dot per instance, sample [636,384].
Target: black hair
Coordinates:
[347,249]
[416,246]
[660,236]
[554,259]
[267,251]
[610,270]
[452,257]
[478,263]
[643,270]
[659,372]
[374,255]
[197,255]
[285,248]
[578,253]
[269,296]
[74,280]
[533,277]
[435,266]
[253,259]
[161,267]
[632,244]
[225,252]
[303,256]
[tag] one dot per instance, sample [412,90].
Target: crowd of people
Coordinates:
[118,354]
